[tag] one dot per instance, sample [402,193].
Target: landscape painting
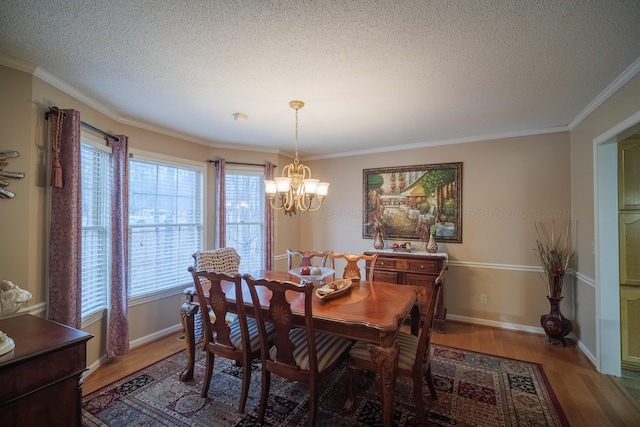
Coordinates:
[411,202]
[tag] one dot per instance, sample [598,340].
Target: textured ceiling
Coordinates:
[374,74]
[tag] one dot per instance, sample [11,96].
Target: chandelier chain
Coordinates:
[296,161]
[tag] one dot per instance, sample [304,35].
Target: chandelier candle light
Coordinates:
[295,188]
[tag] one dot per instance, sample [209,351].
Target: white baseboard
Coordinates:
[133,344]
[522,328]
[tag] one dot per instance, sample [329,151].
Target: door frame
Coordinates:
[606,245]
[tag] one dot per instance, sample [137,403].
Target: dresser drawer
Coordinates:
[422,266]
[385,263]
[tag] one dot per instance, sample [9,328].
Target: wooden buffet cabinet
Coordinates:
[40,378]
[412,268]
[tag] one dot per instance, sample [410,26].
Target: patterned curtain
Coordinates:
[268,218]
[65,234]
[221,209]
[117,324]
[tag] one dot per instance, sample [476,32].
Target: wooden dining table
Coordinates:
[371,311]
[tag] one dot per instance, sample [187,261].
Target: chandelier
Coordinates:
[296,190]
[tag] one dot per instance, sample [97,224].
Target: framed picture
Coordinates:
[411,202]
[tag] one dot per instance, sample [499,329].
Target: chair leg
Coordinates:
[264,395]
[351,387]
[432,387]
[208,373]
[246,381]
[313,403]
[419,401]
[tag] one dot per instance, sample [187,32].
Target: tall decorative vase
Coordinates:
[555,325]
[378,242]
[432,246]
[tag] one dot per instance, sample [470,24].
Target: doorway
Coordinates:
[606,245]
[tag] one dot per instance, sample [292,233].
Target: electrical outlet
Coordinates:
[483,298]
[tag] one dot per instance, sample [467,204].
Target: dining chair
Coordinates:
[307,258]
[236,340]
[298,353]
[352,269]
[413,352]
[222,260]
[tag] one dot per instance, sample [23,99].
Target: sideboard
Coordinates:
[40,378]
[412,268]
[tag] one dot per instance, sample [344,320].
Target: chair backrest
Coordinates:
[223,260]
[308,258]
[352,269]
[427,307]
[280,314]
[214,307]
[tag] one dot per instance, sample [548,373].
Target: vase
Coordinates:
[555,325]
[378,242]
[432,246]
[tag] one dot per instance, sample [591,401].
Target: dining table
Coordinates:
[371,311]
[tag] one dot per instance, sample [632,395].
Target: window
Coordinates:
[245,215]
[95,179]
[165,223]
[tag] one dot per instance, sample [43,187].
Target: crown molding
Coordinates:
[17,64]
[622,79]
[428,144]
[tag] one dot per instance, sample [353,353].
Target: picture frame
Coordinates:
[412,202]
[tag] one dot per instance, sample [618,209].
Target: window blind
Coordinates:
[165,224]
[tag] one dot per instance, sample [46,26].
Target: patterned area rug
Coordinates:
[474,389]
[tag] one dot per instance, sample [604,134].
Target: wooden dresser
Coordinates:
[412,268]
[40,377]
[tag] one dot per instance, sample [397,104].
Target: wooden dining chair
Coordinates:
[308,258]
[298,353]
[236,340]
[352,269]
[413,352]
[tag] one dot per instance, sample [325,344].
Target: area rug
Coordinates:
[474,389]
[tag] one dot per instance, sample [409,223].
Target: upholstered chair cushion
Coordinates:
[236,337]
[407,345]
[329,348]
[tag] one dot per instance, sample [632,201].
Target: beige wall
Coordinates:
[618,108]
[507,185]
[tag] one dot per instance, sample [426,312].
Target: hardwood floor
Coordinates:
[587,397]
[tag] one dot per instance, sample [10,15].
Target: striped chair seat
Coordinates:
[235,334]
[406,344]
[329,348]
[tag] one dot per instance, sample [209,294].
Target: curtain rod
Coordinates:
[239,163]
[103,133]
[87,125]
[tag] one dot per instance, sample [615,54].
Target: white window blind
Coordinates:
[245,215]
[95,178]
[165,223]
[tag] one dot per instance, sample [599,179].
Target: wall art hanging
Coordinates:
[412,202]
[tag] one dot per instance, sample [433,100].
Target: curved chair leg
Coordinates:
[246,381]
[432,387]
[266,385]
[208,373]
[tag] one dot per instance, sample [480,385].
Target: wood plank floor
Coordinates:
[587,397]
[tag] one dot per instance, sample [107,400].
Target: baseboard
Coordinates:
[521,328]
[133,344]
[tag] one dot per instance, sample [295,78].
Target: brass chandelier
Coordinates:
[296,189]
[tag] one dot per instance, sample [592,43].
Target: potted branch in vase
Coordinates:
[555,260]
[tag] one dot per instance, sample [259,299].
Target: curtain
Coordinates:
[268,219]
[65,233]
[117,323]
[221,209]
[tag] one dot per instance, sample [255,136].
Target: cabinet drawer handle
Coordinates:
[421,266]
[382,263]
